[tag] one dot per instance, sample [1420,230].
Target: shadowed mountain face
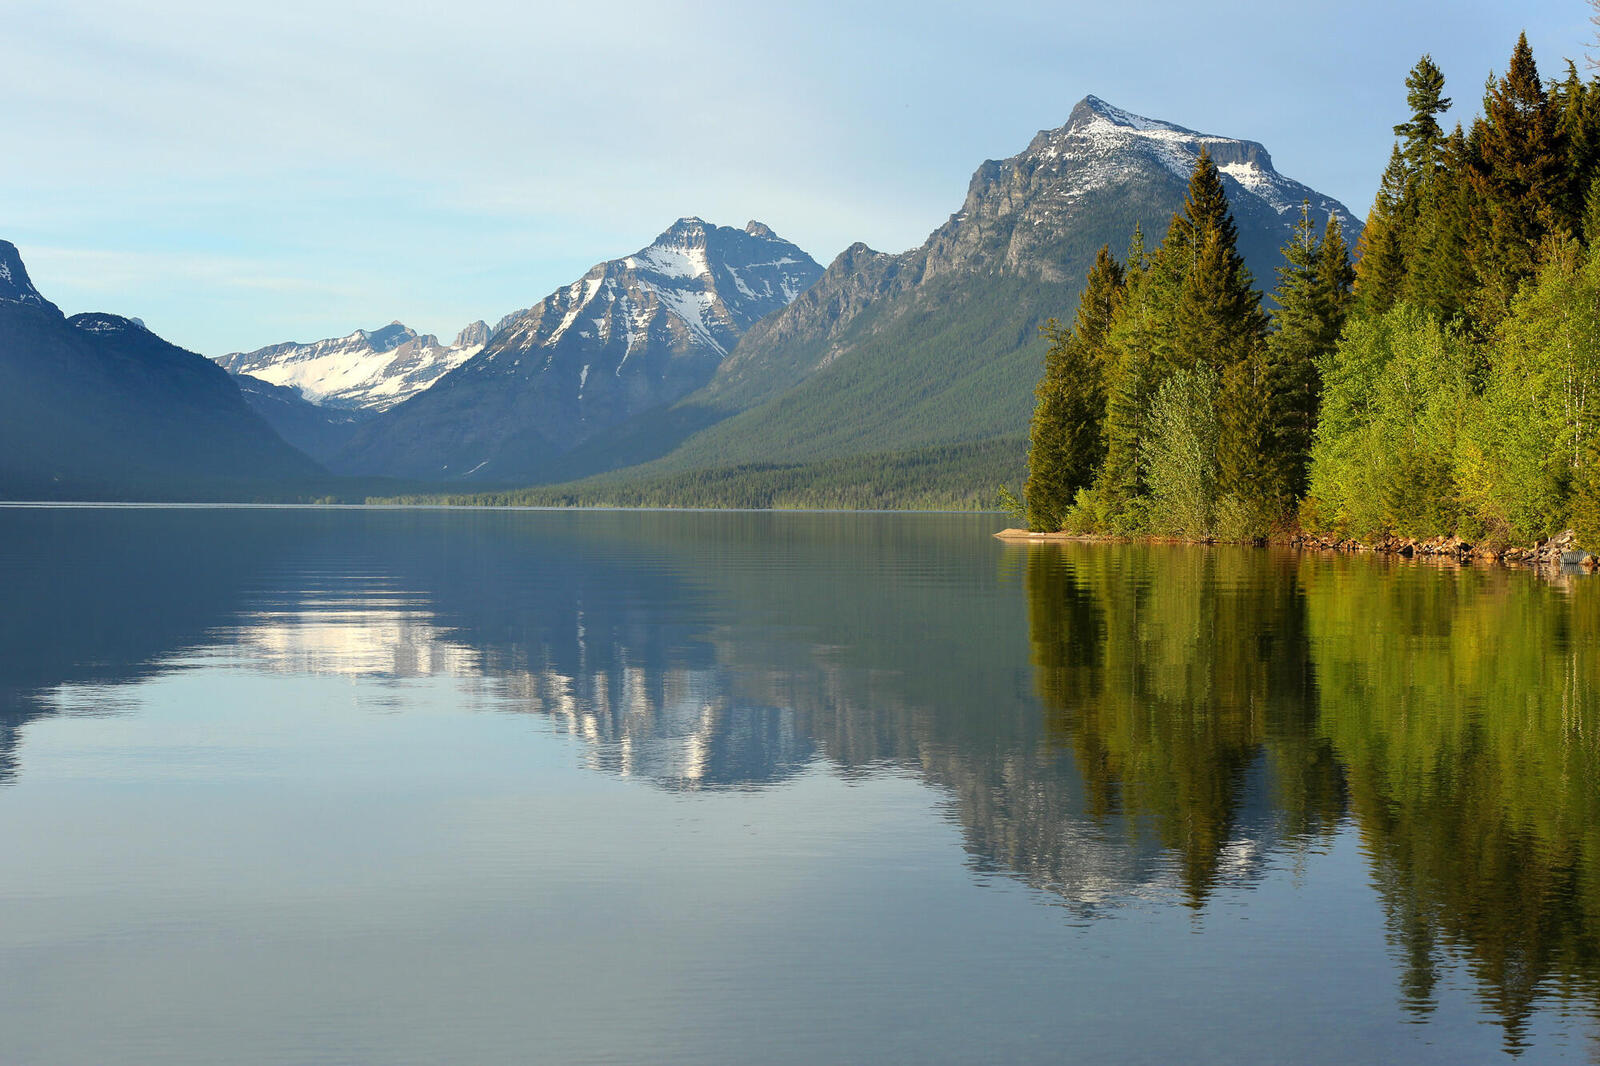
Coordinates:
[631,336]
[319,431]
[98,405]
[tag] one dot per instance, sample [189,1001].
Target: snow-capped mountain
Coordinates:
[1103,147]
[369,369]
[631,335]
[976,290]
[15,285]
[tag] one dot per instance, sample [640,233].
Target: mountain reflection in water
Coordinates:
[1108,724]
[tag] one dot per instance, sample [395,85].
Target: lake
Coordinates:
[415,786]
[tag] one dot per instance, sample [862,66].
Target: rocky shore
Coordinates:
[1558,552]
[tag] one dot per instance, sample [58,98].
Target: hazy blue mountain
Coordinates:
[629,337]
[97,405]
[319,431]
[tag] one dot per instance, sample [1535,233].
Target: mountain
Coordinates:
[318,431]
[97,405]
[629,337]
[369,369]
[940,344]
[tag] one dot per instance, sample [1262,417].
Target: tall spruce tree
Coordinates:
[1313,297]
[1217,318]
[1139,335]
[1218,322]
[1067,435]
[1439,275]
[1421,136]
[1381,270]
[1520,178]
[1577,106]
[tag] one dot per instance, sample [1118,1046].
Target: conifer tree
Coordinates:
[1439,277]
[1520,179]
[1381,271]
[1591,213]
[1313,296]
[1421,136]
[1577,106]
[1134,370]
[1217,317]
[1205,207]
[1067,435]
[1218,322]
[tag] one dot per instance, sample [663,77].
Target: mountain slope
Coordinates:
[628,338]
[940,344]
[318,431]
[98,405]
[369,369]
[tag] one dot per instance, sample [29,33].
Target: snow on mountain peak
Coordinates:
[374,369]
[1105,142]
[15,286]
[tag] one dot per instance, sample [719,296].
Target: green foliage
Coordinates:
[1445,385]
[1179,456]
[951,477]
[1067,434]
[1542,402]
[1394,393]
[1313,299]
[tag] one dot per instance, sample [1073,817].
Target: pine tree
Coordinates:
[1591,213]
[1440,277]
[1134,370]
[1313,296]
[1520,178]
[1421,136]
[1217,322]
[1217,318]
[1067,435]
[1381,271]
[1205,207]
[1578,118]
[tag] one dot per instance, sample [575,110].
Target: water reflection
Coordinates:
[1452,714]
[1107,724]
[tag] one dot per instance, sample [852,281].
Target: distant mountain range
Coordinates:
[710,347]
[367,370]
[631,336]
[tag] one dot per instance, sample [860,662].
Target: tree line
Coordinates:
[1441,385]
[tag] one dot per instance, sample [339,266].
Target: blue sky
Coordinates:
[242,174]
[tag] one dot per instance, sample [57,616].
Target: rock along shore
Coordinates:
[1556,552]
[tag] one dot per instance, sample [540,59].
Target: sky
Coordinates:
[243,174]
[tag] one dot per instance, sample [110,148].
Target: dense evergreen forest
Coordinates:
[952,477]
[1445,384]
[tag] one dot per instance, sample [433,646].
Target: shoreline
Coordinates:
[1557,552]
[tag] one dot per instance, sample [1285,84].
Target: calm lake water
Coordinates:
[351,786]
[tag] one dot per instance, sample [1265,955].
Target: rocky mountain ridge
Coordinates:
[369,369]
[1037,218]
[632,335]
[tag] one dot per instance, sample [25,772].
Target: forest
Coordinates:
[1439,379]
